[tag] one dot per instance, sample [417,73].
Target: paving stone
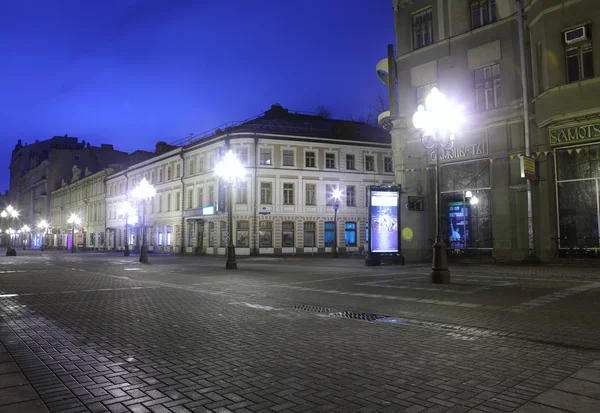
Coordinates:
[568,401]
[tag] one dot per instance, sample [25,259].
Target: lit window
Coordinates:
[350,229]
[265,156]
[329,233]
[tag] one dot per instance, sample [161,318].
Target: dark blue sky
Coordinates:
[133,72]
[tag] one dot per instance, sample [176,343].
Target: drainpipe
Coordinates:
[255,206]
[182,201]
[531,252]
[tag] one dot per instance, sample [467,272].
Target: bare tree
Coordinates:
[324,111]
[375,109]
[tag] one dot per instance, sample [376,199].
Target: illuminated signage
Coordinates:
[460,152]
[383,227]
[575,133]
[528,168]
[209,210]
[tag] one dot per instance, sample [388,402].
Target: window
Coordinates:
[265,234]
[242,155]
[350,162]
[288,194]
[211,234]
[224,233]
[329,233]
[350,230]
[330,160]
[191,234]
[160,175]
[287,234]
[242,193]
[152,177]
[243,234]
[329,194]
[168,202]
[310,159]
[539,64]
[265,156]
[351,196]
[482,12]
[288,158]
[422,28]
[211,195]
[177,200]
[200,197]
[201,165]
[423,91]
[311,198]
[76,157]
[388,165]
[211,161]
[265,193]
[369,163]
[160,236]
[580,65]
[190,198]
[191,172]
[160,201]
[310,234]
[487,88]
[92,239]
[168,173]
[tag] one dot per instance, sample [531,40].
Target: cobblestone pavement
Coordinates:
[103,333]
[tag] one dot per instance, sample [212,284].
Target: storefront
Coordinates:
[576,150]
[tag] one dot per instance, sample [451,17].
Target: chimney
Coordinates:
[276,111]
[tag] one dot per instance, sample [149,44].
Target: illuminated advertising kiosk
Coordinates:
[384,225]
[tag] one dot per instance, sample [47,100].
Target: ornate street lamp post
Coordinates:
[44,226]
[231,170]
[336,205]
[74,220]
[125,209]
[438,123]
[144,193]
[10,213]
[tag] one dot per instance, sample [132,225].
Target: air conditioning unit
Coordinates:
[575,35]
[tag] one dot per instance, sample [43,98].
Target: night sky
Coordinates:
[132,73]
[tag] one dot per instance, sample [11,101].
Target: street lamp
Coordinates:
[10,213]
[25,232]
[73,220]
[144,193]
[437,122]
[125,209]
[231,170]
[336,205]
[44,226]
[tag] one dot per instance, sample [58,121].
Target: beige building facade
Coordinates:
[470,50]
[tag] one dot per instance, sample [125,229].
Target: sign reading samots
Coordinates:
[563,135]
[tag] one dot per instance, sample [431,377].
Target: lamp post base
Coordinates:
[231,263]
[144,254]
[439,271]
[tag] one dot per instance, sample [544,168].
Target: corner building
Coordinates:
[293,163]
[470,51]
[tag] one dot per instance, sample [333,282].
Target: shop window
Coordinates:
[287,234]
[423,91]
[288,194]
[265,156]
[243,234]
[92,239]
[466,175]
[369,163]
[223,226]
[329,233]
[351,196]
[578,213]
[582,165]
[191,234]
[330,160]
[350,162]
[242,193]
[160,236]
[311,194]
[310,159]
[211,234]
[482,12]
[169,236]
[422,28]
[487,88]
[266,193]
[310,234]
[265,234]
[350,234]
[288,158]
[367,231]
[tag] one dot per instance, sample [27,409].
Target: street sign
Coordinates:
[528,168]
[415,203]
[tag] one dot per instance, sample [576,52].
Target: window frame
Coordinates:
[265,227]
[372,168]
[351,158]
[419,30]
[288,193]
[494,90]
[288,227]
[351,195]
[265,161]
[327,161]
[314,158]
[312,191]
[268,191]
[350,227]
[581,48]
[489,8]
[241,196]
[283,157]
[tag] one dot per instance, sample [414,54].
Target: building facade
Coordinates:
[470,50]
[293,163]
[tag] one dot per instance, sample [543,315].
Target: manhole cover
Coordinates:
[312,308]
[359,316]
